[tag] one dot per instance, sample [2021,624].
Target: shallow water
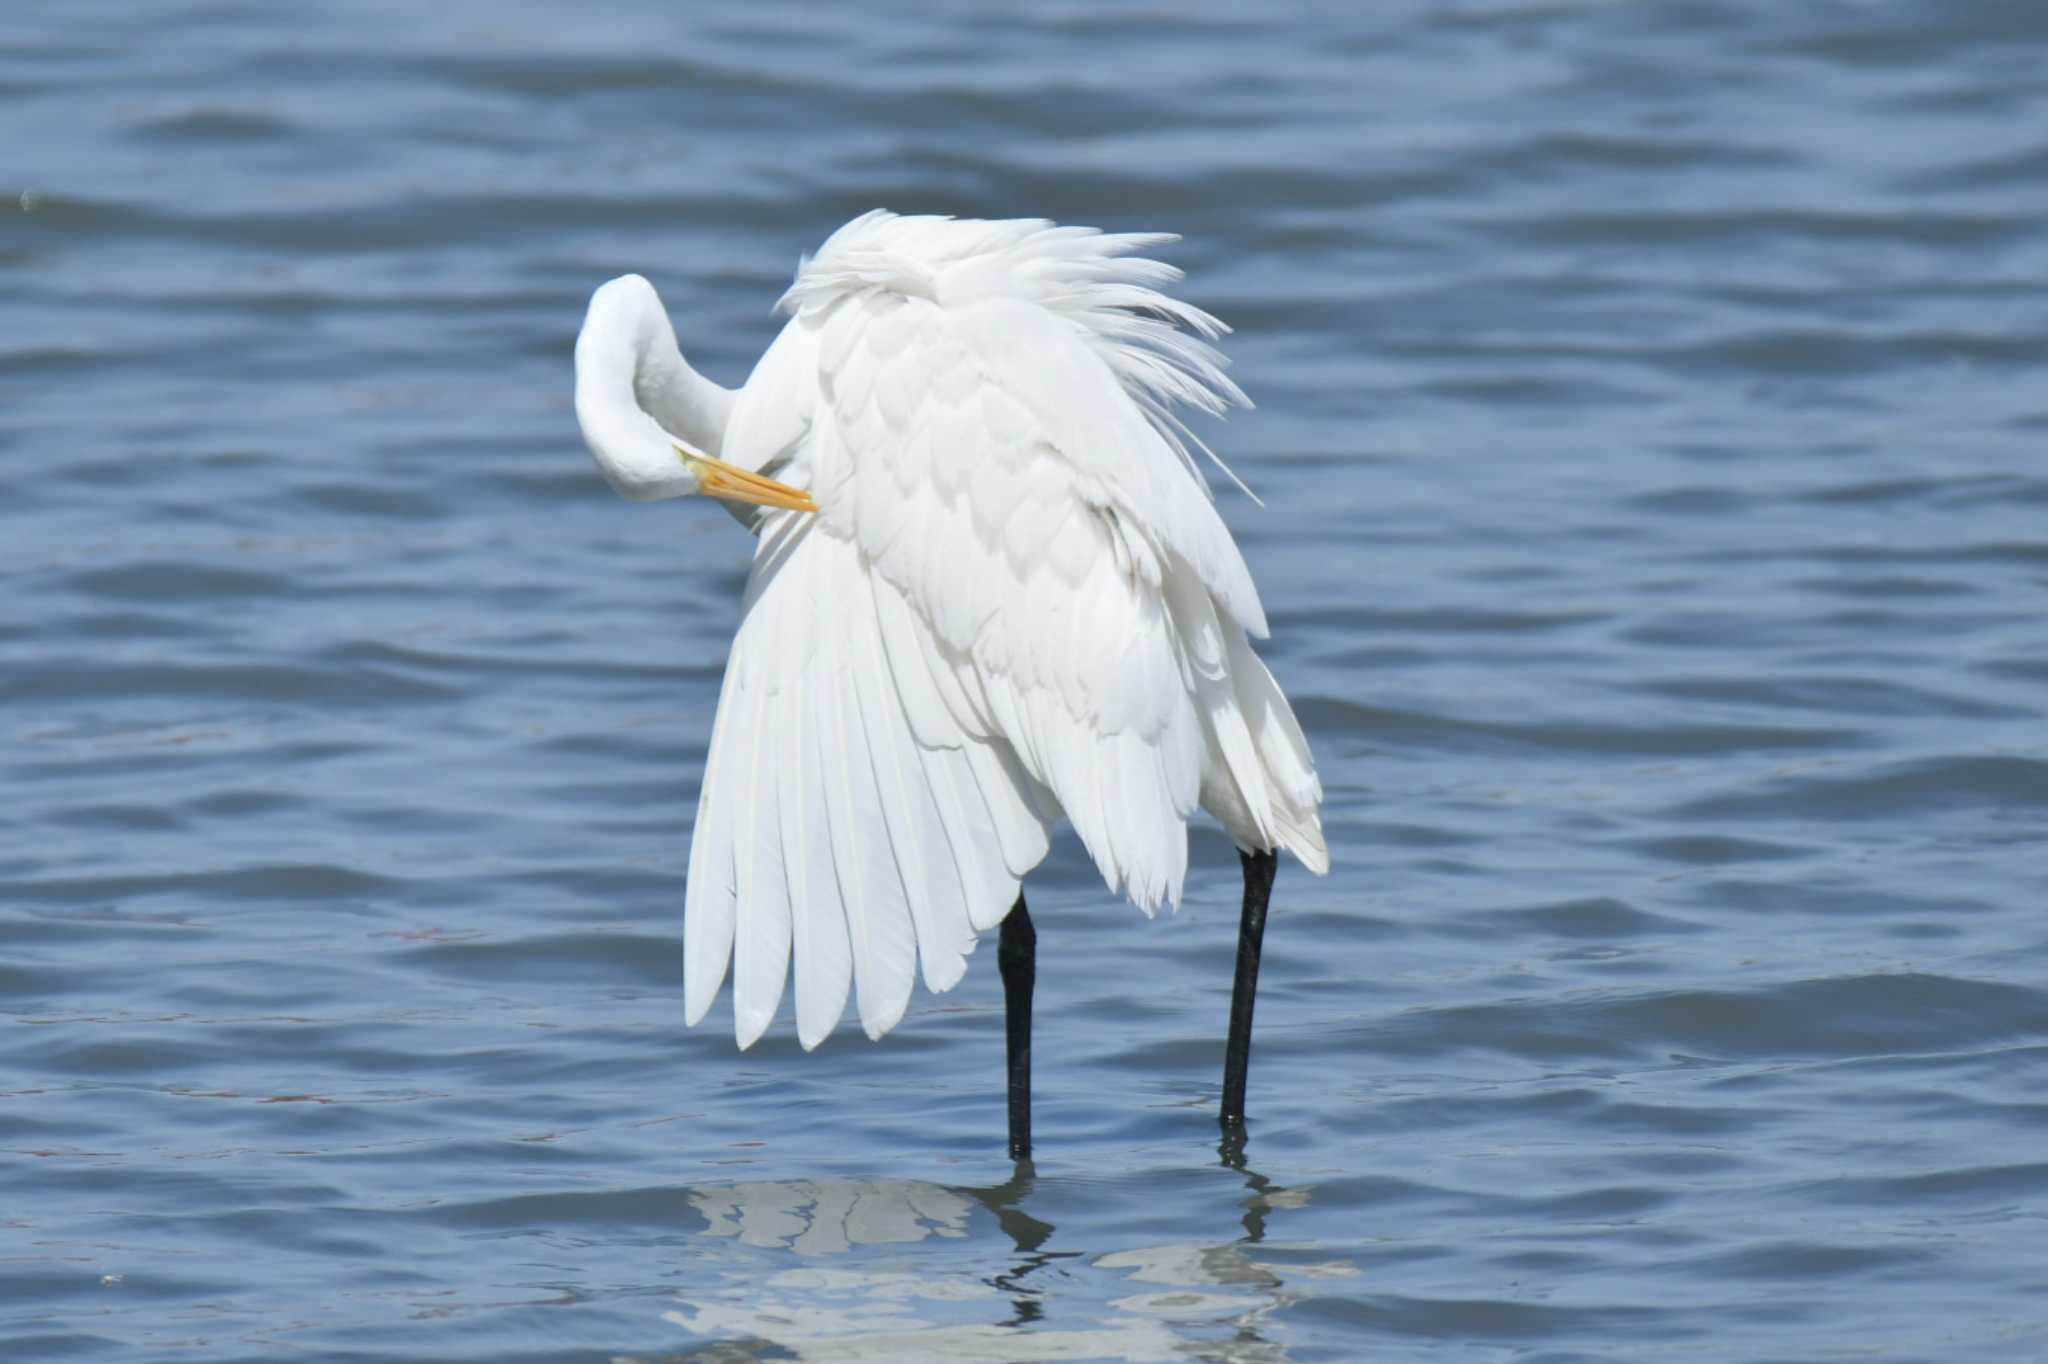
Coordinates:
[1649,432]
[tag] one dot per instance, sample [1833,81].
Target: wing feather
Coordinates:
[709,891]
[761,946]
[878,922]
[930,882]
[824,958]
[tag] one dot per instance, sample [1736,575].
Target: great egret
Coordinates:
[991,589]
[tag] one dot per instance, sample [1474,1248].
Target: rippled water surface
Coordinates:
[1650,433]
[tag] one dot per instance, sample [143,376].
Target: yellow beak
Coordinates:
[734,484]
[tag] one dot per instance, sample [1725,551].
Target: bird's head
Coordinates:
[653,423]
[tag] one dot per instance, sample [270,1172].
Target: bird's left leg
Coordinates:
[1017,959]
[1259,870]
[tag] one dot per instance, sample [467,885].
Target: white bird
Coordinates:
[991,590]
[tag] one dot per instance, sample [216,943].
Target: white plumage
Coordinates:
[1016,601]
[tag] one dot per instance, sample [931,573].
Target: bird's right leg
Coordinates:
[1259,870]
[1017,959]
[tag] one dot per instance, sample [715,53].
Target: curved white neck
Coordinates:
[636,396]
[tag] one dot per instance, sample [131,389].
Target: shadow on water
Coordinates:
[901,1269]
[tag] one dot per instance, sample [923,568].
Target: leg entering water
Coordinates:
[1017,959]
[1259,870]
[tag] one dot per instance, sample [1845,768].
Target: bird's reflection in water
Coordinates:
[1024,1295]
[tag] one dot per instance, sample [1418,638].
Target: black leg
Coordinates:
[1259,869]
[1017,959]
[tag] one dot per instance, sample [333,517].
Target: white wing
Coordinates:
[826,829]
[1016,601]
[940,449]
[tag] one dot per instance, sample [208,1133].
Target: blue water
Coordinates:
[1650,428]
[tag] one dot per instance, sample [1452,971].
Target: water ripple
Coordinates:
[1649,449]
